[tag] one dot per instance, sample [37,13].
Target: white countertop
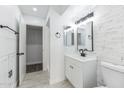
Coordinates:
[81,58]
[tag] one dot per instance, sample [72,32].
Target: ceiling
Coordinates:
[42,10]
[60,8]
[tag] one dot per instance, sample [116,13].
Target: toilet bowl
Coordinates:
[113,75]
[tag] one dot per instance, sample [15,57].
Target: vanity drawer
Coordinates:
[73,61]
[68,71]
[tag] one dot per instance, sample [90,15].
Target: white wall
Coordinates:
[109,35]
[9,16]
[22,49]
[46,48]
[32,20]
[56,48]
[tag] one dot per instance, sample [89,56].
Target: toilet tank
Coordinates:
[113,75]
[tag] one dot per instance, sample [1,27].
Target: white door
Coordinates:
[22,50]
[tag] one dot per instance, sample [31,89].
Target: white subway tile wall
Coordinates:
[109,35]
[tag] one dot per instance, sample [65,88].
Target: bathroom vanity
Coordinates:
[81,71]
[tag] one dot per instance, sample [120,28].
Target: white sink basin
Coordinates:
[81,58]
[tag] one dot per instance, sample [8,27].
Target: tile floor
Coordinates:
[40,80]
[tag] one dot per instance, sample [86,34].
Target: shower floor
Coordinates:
[33,67]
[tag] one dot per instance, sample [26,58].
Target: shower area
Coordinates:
[34,48]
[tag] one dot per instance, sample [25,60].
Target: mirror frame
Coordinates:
[65,37]
[92,38]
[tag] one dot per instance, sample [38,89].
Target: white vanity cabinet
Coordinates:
[81,73]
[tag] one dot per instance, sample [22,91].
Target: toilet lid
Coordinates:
[113,66]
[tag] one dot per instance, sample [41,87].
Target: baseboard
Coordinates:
[14,85]
[56,81]
[9,85]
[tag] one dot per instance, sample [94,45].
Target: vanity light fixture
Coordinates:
[34,9]
[85,18]
[66,27]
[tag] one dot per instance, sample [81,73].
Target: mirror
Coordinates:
[85,36]
[81,35]
[69,37]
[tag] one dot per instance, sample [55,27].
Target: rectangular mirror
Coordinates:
[85,36]
[69,37]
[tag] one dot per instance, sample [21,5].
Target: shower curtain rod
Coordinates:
[2,26]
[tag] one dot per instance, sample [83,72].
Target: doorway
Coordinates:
[34,48]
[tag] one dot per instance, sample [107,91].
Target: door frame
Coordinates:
[18,56]
[41,42]
[21,26]
[18,79]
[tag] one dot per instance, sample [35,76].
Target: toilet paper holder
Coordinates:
[57,34]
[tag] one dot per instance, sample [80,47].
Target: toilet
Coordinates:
[113,75]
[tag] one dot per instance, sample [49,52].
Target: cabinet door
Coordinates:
[74,72]
[77,79]
[90,74]
[4,72]
[68,70]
